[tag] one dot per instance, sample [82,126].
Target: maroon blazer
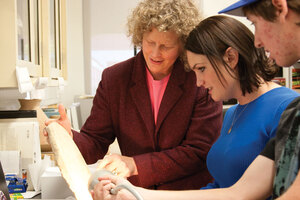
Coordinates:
[169,155]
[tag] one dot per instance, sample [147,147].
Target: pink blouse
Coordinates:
[156,90]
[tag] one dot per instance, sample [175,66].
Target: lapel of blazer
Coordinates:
[140,94]
[172,93]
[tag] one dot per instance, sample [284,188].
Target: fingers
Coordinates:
[49,121]
[62,112]
[113,179]
[106,161]
[123,173]
[102,190]
[45,133]
[115,164]
[63,121]
[93,194]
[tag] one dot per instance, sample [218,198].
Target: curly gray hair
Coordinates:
[180,16]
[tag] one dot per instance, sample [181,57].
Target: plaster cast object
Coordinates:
[73,167]
[70,161]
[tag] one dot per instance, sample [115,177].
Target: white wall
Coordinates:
[104,31]
[212,7]
[75,50]
[110,16]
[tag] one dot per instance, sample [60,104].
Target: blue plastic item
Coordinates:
[16,184]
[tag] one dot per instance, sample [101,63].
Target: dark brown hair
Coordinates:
[215,34]
[267,11]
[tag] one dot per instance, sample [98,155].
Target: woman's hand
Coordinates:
[102,191]
[106,183]
[122,166]
[63,121]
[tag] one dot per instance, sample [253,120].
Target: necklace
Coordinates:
[235,119]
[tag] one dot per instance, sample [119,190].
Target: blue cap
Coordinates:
[236,8]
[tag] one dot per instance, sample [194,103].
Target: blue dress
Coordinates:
[252,126]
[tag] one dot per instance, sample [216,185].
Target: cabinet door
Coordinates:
[19,39]
[54,38]
[28,36]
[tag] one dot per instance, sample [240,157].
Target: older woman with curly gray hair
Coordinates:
[168,15]
[164,123]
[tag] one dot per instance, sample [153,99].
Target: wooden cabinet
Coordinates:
[54,38]
[33,35]
[19,36]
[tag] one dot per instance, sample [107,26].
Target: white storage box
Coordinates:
[53,185]
[19,131]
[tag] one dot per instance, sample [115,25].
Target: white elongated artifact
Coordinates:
[70,161]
